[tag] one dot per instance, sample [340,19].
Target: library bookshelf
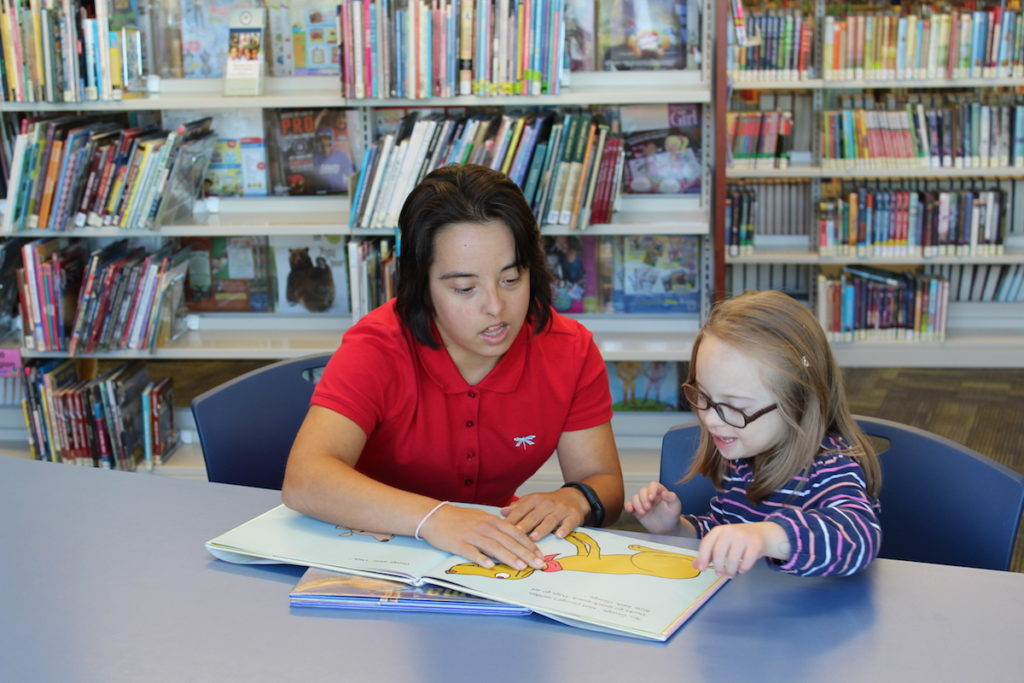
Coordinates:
[274,336]
[979,333]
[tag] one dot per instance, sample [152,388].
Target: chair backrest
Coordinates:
[943,502]
[246,426]
[678,447]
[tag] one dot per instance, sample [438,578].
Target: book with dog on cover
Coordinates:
[331,590]
[594,579]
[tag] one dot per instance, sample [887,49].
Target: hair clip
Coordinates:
[803,359]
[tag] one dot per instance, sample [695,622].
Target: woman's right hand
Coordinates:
[481,537]
[657,508]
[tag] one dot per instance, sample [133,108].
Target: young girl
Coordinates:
[796,479]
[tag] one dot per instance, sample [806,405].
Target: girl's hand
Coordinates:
[734,548]
[480,537]
[656,508]
[539,514]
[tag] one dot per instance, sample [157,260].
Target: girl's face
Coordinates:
[480,297]
[729,376]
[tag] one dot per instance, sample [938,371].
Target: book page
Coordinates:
[597,580]
[283,536]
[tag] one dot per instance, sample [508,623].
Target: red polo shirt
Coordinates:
[432,433]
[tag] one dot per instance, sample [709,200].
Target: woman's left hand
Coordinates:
[539,514]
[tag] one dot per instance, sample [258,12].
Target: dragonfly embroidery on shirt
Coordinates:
[524,441]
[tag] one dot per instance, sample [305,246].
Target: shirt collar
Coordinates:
[440,367]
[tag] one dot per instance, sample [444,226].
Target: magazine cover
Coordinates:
[204,36]
[657,274]
[311,274]
[311,150]
[642,34]
[663,148]
[316,50]
[573,262]
[644,385]
[238,166]
[229,274]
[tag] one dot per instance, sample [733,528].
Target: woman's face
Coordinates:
[727,375]
[480,297]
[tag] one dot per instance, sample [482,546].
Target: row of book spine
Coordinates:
[70,171]
[421,50]
[765,208]
[778,44]
[61,51]
[759,139]
[924,44]
[904,223]
[870,304]
[981,282]
[569,168]
[115,297]
[113,421]
[372,273]
[964,136]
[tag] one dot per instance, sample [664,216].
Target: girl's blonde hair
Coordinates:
[784,335]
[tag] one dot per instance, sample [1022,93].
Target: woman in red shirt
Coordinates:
[460,388]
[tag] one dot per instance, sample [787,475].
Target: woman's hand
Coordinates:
[539,514]
[734,548]
[657,508]
[480,537]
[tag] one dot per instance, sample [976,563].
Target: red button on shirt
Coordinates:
[412,403]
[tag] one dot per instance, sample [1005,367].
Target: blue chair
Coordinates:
[246,426]
[941,502]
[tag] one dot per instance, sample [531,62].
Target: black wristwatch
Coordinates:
[596,515]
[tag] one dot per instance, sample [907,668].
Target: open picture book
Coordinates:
[595,579]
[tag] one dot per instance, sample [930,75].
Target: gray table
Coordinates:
[104,577]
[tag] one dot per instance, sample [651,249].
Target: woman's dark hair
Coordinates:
[464,193]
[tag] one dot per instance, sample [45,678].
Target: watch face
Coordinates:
[245,18]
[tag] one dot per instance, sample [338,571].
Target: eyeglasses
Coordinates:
[733,417]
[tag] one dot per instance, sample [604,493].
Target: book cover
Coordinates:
[663,148]
[311,150]
[316,49]
[319,588]
[644,385]
[238,166]
[311,274]
[580,43]
[656,274]
[204,36]
[594,579]
[565,257]
[642,34]
[229,274]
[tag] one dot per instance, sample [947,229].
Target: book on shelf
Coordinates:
[315,43]
[310,151]
[245,68]
[573,260]
[580,34]
[645,34]
[594,580]
[663,148]
[651,386]
[229,274]
[160,436]
[238,165]
[311,275]
[205,30]
[333,590]
[656,274]
[372,273]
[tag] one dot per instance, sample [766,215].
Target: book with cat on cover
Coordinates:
[594,579]
[331,590]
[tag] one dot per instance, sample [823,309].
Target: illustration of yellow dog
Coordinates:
[588,558]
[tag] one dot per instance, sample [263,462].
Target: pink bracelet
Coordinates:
[416,534]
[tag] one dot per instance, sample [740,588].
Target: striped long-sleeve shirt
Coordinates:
[829,519]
